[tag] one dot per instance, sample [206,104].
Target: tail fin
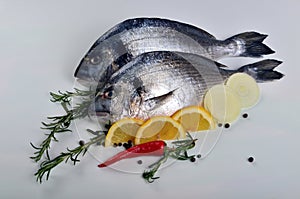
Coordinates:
[251,44]
[263,71]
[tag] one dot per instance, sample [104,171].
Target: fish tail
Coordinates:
[263,71]
[249,44]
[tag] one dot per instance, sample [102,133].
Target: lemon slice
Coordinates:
[223,103]
[159,128]
[246,88]
[122,131]
[194,118]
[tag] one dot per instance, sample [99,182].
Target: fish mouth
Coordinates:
[102,114]
[81,71]
[86,71]
[87,83]
[98,111]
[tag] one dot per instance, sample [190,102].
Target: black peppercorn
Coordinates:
[139,161]
[67,124]
[193,159]
[129,143]
[251,159]
[227,125]
[125,145]
[245,115]
[81,142]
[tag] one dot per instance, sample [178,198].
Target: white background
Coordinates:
[41,44]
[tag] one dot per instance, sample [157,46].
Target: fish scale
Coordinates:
[137,41]
[162,82]
[169,82]
[136,36]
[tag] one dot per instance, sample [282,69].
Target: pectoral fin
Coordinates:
[157,101]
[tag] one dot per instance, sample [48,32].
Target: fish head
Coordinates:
[102,60]
[127,100]
[113,102]
[101,105]
[95,66]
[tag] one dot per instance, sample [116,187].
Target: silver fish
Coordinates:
[133,37]
[160,83]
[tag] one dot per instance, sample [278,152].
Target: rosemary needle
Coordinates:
[71,154]
[60,124]
[178,152]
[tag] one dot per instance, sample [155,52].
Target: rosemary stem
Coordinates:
[60,124]
[71,154]
[178,152]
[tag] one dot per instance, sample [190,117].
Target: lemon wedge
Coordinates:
[122,131]
[223,103]
[194,118]
[245,87]
[159,128]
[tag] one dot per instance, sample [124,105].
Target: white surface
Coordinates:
[41,44]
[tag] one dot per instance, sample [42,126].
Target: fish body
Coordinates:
[161,82]
[133,37]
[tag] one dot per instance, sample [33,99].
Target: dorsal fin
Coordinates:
[187,29]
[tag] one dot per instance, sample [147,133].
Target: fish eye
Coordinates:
[108,94]
[95,60]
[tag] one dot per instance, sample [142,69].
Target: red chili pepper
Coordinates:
[155,148]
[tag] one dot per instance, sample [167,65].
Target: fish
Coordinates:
[161,82]
[133,37]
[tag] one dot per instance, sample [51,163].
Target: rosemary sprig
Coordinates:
[71,154]
[60,124]
[66,97]
[178,152]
